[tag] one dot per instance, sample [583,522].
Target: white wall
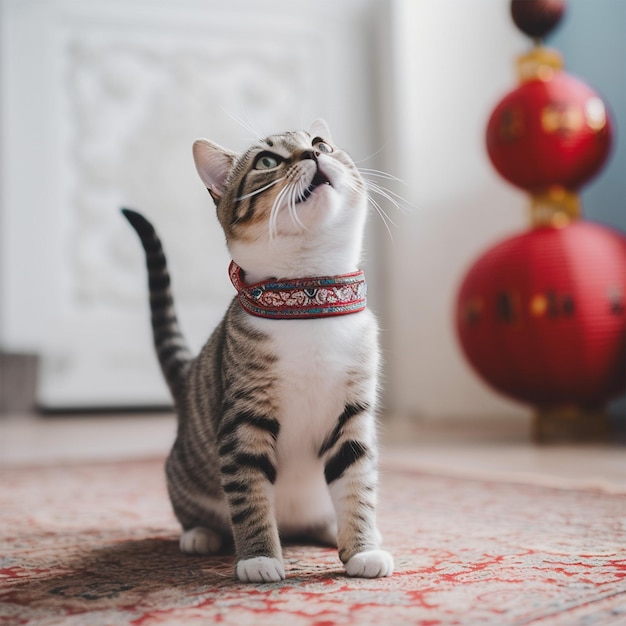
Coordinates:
[452,62]
[101,101]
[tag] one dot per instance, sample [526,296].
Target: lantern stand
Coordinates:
[541,315]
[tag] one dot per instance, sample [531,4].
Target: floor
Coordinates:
[498,449]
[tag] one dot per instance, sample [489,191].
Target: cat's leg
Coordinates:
[198,504]
[257,544]
[351,475]
[248,468]
[200,540]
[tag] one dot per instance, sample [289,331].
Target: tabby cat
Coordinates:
[276,417]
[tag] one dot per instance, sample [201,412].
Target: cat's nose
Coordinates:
[309,154]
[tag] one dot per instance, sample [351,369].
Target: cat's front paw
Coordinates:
[200,540]
[261,569]
[370,564]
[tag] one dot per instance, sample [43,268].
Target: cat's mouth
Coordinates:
[318,180]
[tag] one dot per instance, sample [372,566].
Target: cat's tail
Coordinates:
[171,348]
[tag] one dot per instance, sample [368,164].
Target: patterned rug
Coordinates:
[97,544]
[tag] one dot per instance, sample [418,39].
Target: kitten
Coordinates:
[276,430]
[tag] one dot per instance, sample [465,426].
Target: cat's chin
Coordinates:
[320,180]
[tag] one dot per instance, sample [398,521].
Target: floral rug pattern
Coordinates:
[97,544]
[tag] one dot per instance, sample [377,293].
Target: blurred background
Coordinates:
[101,100]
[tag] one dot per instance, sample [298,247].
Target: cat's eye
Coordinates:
[322,146]
[265,161]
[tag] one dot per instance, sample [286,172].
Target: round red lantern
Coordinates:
[553,130]
[541,316]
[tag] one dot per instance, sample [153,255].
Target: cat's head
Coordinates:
[293,204]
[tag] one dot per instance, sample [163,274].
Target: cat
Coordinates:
[276,417]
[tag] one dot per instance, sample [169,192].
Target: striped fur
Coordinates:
[172,351]
[276,431]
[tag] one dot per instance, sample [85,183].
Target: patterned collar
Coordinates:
[301,298]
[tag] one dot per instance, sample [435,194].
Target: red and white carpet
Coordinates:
[97,544]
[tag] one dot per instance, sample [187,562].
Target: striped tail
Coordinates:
[171,349]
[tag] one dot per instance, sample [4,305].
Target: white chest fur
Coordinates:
[318,361]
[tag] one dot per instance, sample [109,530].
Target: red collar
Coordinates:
[301,298]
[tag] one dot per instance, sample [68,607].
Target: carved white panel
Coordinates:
[102,103]
[137,107]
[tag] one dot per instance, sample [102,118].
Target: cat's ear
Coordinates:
[213,164]
[319,128]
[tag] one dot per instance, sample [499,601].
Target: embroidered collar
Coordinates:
[301,298]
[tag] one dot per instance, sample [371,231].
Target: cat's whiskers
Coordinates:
[278,204]
[298,192]
[246,124]
[288,197]
[396,199]
[371,156]
[366,171]
[291,203]
[261,190]
[273,231]
[386,220]
[292,197]
[384,216]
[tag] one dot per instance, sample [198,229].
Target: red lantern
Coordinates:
[553,132]
[541,316]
